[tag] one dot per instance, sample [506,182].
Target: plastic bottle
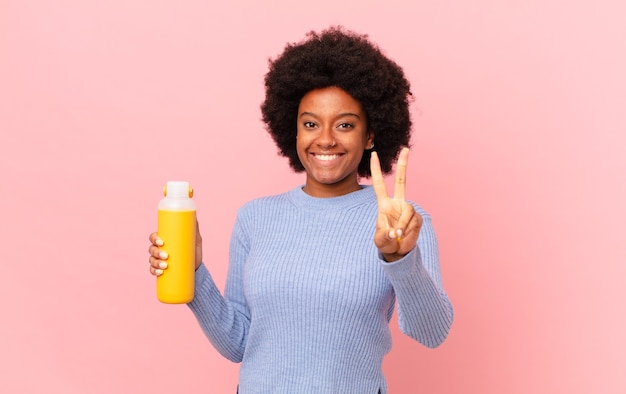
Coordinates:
[177,229]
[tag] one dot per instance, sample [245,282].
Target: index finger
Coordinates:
[400,185]
[155,240]
[377,178]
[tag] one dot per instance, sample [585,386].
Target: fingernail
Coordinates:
[163,265]
[398,233]
[163,255]
[159,242]
[392,234]
[158,272]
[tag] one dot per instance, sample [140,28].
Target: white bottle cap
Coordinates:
[178,189]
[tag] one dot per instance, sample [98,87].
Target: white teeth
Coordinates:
[326,157]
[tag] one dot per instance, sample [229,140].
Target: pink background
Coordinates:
[519,155]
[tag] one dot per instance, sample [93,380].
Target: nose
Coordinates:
[326,139]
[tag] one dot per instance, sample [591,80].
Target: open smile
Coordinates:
[321,157]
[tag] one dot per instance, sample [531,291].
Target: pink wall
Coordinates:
[519,156]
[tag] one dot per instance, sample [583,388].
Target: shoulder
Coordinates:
[270,204]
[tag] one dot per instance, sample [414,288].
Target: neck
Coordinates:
[334,190]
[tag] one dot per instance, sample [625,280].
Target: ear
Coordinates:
[369,143]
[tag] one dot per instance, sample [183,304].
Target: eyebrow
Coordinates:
[338,116]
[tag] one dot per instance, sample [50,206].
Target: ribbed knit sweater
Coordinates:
[308,297]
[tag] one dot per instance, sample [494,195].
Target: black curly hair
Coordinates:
[349,61]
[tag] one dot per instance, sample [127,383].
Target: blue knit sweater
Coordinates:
[308,297]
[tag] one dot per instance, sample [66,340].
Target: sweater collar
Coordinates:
[301,199]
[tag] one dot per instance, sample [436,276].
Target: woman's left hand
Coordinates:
[397,223]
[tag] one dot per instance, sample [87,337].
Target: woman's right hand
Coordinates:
[158,255]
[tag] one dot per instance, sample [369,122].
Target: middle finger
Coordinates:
[400,184]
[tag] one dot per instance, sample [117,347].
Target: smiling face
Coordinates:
[332,136]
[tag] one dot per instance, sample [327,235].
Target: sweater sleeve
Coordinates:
[424,310]
[224,319]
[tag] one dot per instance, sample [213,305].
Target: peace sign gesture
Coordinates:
[397,223]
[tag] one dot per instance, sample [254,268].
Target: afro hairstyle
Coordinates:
[349,61]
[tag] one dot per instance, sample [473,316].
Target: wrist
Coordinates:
[391,257]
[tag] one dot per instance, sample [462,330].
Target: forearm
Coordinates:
[221,321]
[424,311]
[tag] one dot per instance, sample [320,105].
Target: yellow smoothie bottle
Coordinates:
[177,228]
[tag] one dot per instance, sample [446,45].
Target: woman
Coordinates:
[314,272]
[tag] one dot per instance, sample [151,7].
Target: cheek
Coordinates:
[301,145]
[304,140]
[357,143]
[299,142]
